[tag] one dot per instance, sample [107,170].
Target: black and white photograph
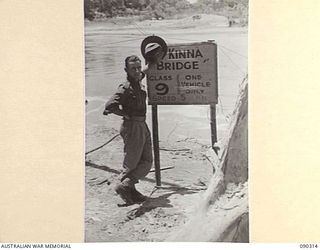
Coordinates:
[166,121]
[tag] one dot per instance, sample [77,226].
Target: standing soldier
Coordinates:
[130,102]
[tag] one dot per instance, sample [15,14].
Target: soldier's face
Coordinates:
[134,70]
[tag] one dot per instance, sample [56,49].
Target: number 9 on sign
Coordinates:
[162,89]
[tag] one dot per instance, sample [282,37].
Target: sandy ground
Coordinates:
[170,207]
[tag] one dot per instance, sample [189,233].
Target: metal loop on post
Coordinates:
[156,40]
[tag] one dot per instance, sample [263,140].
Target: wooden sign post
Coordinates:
[213,126]
[187,75]
[155,137]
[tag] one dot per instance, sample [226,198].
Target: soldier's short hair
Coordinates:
[132,58]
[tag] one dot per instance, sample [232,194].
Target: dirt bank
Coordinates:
[222,214]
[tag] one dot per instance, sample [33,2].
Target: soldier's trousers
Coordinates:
[137,160]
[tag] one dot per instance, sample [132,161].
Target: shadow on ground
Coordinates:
[160,201]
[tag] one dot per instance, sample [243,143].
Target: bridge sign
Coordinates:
[186,75]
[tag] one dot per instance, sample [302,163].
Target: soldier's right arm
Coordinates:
[113,104]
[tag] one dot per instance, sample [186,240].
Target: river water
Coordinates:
[108,43]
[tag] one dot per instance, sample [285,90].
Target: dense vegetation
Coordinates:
[161,9]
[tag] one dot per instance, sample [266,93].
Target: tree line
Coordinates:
[161,9]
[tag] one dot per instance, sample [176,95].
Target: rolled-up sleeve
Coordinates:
[116,100]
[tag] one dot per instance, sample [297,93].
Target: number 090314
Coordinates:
[308,246]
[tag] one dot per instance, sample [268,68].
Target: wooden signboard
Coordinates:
[186,75]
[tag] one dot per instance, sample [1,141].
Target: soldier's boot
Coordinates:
[137,196]
[125,193]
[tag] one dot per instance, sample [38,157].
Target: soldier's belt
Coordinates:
[136,118]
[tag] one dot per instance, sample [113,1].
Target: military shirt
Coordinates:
[132,98]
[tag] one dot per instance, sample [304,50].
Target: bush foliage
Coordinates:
[160,9]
